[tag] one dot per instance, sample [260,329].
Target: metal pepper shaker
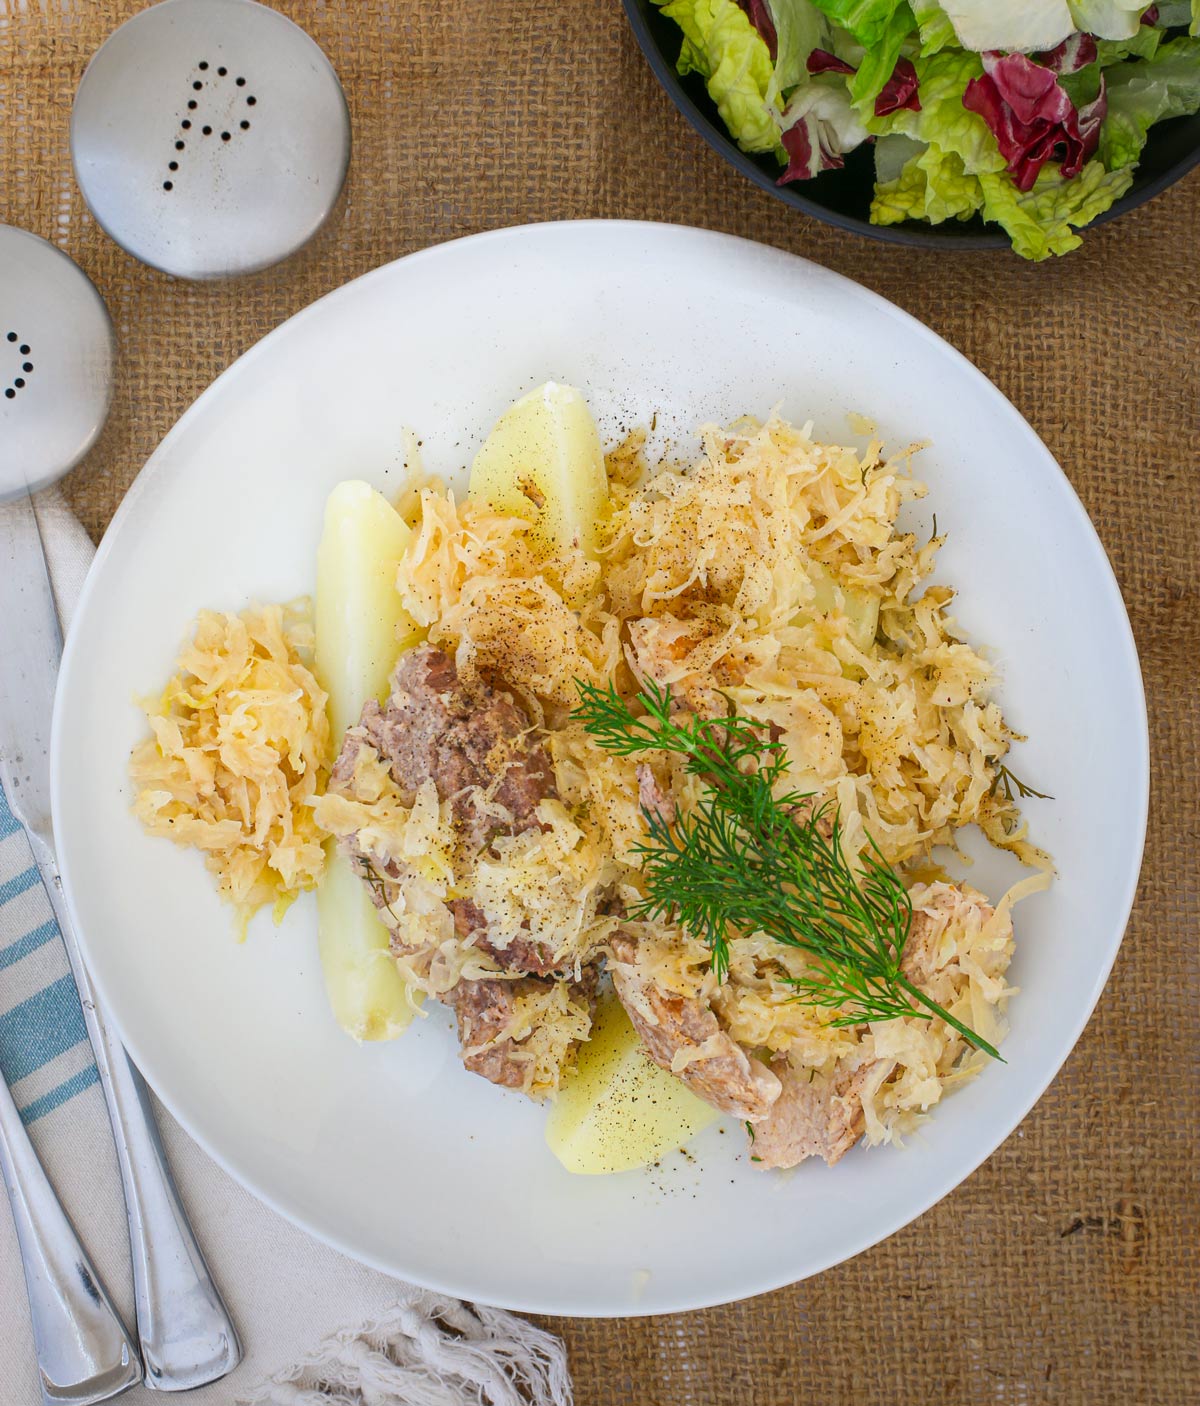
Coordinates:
[210,137]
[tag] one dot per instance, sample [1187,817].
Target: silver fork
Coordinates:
[84,1354]
[50,415]
[186,1336]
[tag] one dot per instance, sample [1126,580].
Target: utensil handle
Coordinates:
[187,1337]
[84,1354]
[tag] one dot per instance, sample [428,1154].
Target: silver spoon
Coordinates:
[56,358]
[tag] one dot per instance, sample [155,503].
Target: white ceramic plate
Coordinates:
[393,1153]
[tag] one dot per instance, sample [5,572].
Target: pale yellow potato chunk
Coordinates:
[543,462]
[361,629]
[361,626]
[368,998]
[616,1110]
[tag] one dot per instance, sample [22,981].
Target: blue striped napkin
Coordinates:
[44,1051]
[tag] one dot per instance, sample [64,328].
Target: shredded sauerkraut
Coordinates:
[239,749]
[769,574]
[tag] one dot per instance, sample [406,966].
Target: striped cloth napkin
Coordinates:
[316,1327]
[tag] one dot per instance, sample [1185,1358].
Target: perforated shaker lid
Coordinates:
[210,137]
[56,363]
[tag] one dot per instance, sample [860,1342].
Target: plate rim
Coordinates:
[452,1282]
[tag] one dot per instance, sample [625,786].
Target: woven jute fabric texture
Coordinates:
[1067,1269]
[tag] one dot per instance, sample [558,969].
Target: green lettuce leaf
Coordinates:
[892,154]
[800,28]
[1143,93]
[1178,14]
[934,25]
[880,60]
[727,51]
[1143,45]
[959,169]
[932,186]
[1082,86]
[943,122]
[1108,19]
[866,20]
[690,60]
[1042,221]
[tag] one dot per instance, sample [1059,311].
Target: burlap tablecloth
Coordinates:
[1067,1269]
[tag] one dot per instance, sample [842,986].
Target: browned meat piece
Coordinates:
[722,1074]
[651,796]
[934,907]
[485,1007]
[811,1118]
[466,739]
[816,1118]
[347,759]
[522,954]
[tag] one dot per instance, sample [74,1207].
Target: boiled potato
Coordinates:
[616,1110]
[543,462]
[361,629]
[361,626]
[369,999]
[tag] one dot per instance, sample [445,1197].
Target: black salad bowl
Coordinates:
[843,197]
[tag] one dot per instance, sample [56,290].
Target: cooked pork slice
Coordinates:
[651,796]
[347,759]
[935,907]
[484,1009]
[815,1117]
[521,954]
[474,743]
[684,1037]
[811,1117]
[469,740]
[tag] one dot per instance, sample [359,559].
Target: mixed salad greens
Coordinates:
[1030,113]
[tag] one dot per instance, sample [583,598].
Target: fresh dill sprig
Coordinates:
[1006,781]
[716,746]
[747,859]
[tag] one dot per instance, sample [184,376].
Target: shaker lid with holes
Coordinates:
[210,137]
[56,363]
